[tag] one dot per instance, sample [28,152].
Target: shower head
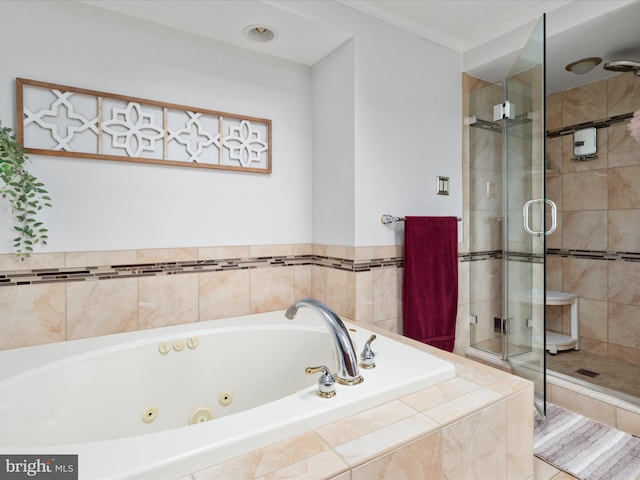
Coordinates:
[623,66]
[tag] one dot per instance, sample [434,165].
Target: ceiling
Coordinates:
[305,37]
[441,20]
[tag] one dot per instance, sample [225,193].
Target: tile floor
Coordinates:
[613,374]
[544,471]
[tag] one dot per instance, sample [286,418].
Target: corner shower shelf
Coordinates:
[557,341]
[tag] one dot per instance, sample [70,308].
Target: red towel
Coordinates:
[430,285]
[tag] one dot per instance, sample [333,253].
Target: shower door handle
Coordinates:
[525,216]
[554,214]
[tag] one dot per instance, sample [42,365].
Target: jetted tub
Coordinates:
[166,402]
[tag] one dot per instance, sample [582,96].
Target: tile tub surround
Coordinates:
[579,396]
[476,425]
[444,421]
[53,297]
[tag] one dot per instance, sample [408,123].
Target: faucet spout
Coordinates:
[348,373]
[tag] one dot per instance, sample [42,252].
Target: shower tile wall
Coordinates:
[596,249]
[482,216]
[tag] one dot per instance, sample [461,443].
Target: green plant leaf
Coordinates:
[24,193]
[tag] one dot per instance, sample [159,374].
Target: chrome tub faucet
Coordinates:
[348,373]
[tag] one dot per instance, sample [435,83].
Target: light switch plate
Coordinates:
[442,185]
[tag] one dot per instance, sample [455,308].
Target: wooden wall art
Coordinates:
[74,122]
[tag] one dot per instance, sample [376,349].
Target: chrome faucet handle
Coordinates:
[326,382]
[348,372]
[368,357]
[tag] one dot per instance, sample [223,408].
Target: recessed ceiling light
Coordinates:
[583,66]
[259,33]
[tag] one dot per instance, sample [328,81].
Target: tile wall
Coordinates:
[482,215]
[53,297]
[601,408]
[477,423]
[596,249]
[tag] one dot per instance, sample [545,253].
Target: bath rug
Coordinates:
[585,448]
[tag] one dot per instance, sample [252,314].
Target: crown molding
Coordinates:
[417,28]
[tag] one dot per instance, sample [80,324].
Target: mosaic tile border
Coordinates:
[79,274]
[64,275]
[477,256]
[596,124]
[596,255]
[559,132]
[497,255]
[580,254]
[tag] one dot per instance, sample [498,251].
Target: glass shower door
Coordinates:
[486,178]
[523,259]
[507,216]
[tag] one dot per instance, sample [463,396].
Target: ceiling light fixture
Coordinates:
[259,33]
[623,66]
[583,66]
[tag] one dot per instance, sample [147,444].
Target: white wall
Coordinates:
[334,147]
[103,205]
[386,107]
[407,129]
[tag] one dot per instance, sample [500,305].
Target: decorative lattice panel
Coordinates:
[73,122]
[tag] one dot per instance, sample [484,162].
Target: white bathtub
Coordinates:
[125,408]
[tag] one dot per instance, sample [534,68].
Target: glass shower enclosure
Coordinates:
[508,214]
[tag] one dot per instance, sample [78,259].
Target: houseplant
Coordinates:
[24,193]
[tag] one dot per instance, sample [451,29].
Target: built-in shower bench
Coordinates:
[557,341]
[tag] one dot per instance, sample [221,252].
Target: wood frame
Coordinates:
[20,129]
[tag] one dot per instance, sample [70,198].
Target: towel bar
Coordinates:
[386,219]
